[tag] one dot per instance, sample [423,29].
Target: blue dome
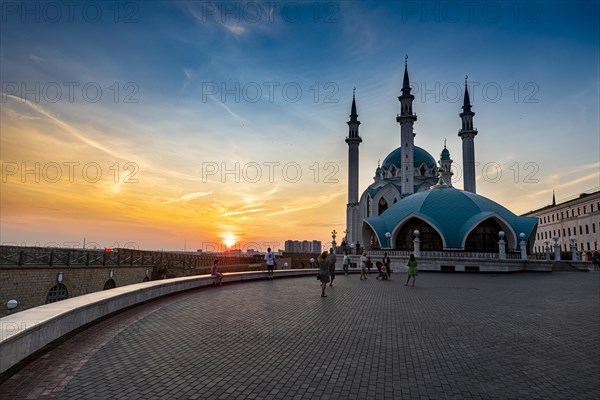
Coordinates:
[453,213]
[445,154]
[420,156]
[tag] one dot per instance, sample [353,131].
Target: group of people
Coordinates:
[327,263]
[327,268]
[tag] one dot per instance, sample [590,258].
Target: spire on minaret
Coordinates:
[353,114]
[553,198]
[406,82]
[467,103]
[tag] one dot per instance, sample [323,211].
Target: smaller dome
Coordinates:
[445,154]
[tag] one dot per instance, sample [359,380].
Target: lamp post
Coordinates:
[547,249]
[389,236]
[312,262]
[523,246]
[333,243]
[417,243]
[556,249]
[501,246]
[573,244]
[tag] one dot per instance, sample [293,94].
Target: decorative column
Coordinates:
[547,249]
[417,243]
[501,246]
[556,249]
[573,243]
[523,245]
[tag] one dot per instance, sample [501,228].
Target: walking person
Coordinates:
[363,266]
[214,272]
[332,259]
[369,265]
[387,262]
[270,260]
[323,272]
[412,269]
[346,262]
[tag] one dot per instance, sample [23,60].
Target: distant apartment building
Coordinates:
[304,246]
[577,218]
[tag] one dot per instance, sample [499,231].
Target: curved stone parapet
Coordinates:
[26,332]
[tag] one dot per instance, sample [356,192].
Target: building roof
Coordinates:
[453,213]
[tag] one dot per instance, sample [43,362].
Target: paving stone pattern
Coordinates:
[453,336]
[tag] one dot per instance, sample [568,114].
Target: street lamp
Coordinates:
[389,235]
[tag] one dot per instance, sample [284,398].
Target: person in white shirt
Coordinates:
[270,260]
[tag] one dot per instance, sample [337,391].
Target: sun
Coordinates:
[229,239]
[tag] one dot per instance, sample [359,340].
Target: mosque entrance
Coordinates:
[484,238]
[430,239]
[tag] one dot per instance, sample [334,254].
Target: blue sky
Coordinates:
[162,67]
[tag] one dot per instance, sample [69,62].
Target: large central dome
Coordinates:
[420,157]
[453,214]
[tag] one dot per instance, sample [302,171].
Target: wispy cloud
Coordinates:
[187,197]
[224,106]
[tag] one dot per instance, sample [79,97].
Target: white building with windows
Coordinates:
[577,218]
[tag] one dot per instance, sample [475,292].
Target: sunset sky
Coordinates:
[164,125]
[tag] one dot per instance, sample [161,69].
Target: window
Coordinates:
[569,230]
[578,210]
[580,230]
[562,215]
[57,293]
[587,229]
[588,245]
[592,207]
[594,227]
[552,217]
[563,231]
[110,284]
[585,209]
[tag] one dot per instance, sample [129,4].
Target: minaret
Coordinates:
[467,134]
[406,119]
[353,140]
[446,165]
[553,198]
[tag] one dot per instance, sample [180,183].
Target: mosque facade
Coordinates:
[412,195]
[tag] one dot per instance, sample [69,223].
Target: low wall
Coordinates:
[456,264]
[24,333]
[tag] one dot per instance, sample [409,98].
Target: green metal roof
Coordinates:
[452,212]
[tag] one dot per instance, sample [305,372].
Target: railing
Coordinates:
[445,254]
[19,256]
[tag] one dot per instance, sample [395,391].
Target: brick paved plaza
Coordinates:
[453,336]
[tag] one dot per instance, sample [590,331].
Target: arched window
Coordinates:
[110,284]
[430,239]
[383,205]
[57,293]
[484,238]
[423,169]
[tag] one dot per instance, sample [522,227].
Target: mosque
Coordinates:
[412,197]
